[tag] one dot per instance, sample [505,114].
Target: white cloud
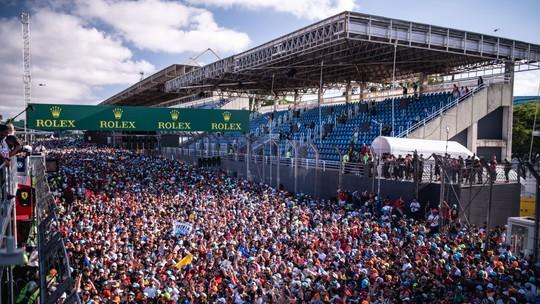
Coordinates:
[71,58]
[308,9]
[526,83]
[164,26]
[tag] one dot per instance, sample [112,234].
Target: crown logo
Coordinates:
[117,113]
[226,116]
[174,115]
[55,111]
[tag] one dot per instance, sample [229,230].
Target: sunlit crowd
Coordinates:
[145,229]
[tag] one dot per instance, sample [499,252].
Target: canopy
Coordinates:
[404,146]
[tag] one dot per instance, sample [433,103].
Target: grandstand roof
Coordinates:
[355,47]
[525,99]
[150,90]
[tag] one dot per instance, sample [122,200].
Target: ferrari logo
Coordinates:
[24,195]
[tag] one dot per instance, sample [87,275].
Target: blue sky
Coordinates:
[87,50]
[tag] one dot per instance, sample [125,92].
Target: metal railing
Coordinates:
[429,170]
[466,175]
[440,111]
[8,188]
[450,105]
[307,163]
[54,268]
[10,255]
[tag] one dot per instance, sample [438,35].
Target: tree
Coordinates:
[522,129]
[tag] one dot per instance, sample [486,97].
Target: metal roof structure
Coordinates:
[355,47]
[150,90]
[518,100]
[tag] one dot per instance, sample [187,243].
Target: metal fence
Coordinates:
[55,272]
[429,171]
[8,188]
[307,163]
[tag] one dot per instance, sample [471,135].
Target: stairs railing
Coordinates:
[441,110]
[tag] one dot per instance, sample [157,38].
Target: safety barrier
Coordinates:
[10,255]
[429,170]
[55,273]
[308,163]
[8,188]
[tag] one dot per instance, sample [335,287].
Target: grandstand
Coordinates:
[356,52]
[518,100]
[229,222]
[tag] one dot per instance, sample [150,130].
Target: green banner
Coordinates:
[113,118]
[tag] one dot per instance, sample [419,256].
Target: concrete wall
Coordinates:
[324,184]
[317,183]
[505,203]
[488,152]
[490,126]
[461,138]
[466,116]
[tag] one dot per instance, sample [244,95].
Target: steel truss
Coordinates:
[356,47]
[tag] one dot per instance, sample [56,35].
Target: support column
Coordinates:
[422,83]
[319,103]
[506,152]
[348,90]
[296,99]
[363,88]
[472,137]
[508,111]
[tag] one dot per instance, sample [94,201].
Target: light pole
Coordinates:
[379,169]
[320,102]
[447,132]
[393,85]
[491,176]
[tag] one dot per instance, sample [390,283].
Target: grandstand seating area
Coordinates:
[363,115]
[407,111]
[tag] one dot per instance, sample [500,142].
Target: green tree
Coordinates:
[522,129]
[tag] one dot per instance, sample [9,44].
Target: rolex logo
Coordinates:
[55,111]
[174,115]
[117,113]
[226,116]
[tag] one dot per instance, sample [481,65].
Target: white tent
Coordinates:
[403,146]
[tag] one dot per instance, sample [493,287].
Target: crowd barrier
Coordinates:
[8,187]
[429,172]
[55,272]
[10,255]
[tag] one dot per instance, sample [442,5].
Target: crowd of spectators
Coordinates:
[244,242]
[404,167]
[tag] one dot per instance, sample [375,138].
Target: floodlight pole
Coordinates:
[378,161]
[393,85]
[320,102]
